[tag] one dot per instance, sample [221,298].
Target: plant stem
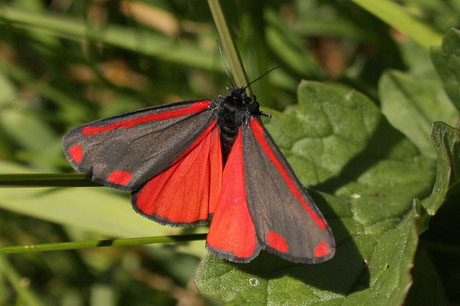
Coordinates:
[237,68]
[99,243]
[46,180]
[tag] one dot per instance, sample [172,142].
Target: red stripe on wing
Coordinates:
[186,192]
[232,234]
[194,108]
[259,133]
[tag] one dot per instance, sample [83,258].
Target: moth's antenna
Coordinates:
[276,67]
[225,66]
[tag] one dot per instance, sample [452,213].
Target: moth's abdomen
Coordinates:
[231,117]
[228,131]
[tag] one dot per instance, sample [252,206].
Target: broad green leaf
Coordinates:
[446,59]
[382,277]
[337,139]
[90,208]
[412,105]
[418,61]
[446,140]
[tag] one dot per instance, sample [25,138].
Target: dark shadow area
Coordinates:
[345,273]
[439,247]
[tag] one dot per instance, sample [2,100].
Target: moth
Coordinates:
[192,162]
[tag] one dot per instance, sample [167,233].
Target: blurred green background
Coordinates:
[64,63]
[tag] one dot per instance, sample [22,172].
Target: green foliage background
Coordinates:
[365,106]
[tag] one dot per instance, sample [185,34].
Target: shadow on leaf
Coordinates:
[344,274]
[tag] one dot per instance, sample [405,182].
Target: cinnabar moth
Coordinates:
[188,162]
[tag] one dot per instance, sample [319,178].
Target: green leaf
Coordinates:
[418,61]
[412,105]
[343,280]
[446,140]
[337,139]
[446,59]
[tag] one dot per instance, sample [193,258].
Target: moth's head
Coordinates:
[240,96]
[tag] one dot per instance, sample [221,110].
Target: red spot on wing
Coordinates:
[120,177]
[191,109]
[188,190]
[322,249]
[277,242]
[232,229]
[76,153]
[259,135]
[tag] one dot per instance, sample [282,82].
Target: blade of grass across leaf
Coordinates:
[99,243]
[46,180]
[394,14]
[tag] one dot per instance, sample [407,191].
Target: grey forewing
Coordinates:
[144,150]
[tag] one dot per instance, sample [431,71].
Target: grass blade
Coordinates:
[394,15]
[99,243]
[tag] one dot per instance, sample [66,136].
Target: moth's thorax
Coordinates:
[235,110]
